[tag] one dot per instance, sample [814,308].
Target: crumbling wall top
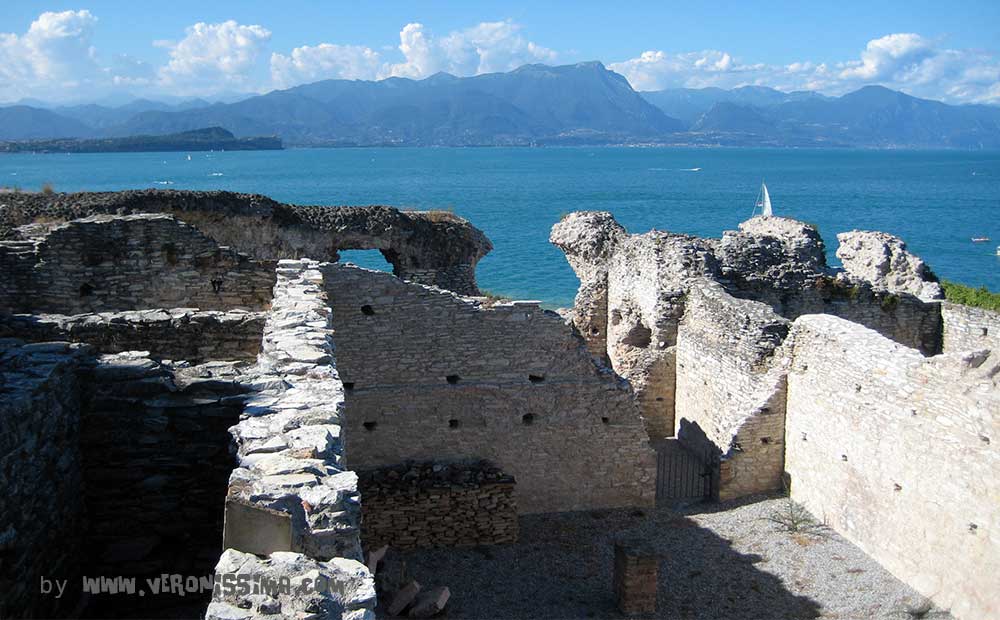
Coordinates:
[773,251]
[884,261]
[433,247]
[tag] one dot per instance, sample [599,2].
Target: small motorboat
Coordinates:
[998,250]
[980,239]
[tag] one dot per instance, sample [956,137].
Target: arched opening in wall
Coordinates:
[86,290]
[369,259]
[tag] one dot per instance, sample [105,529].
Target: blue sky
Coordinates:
[92,48]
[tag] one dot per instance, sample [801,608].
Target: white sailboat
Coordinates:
[763,202]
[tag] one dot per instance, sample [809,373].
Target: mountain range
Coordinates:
[534,105]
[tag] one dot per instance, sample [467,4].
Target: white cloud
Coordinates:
[654,70]
[54,54]
[484,48]
[903,61]
[886,57]
[324,61]
[214,56]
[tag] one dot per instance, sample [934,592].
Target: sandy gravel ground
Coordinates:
[719,561]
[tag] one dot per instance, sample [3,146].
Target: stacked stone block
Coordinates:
[636,576]
[437,505]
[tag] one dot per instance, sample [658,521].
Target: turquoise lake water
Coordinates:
[936,201]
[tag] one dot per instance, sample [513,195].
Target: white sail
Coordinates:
[765,203]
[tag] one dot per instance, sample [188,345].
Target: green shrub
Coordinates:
[967,296]
[493,298]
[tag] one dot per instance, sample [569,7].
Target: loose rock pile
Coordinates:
[398,593]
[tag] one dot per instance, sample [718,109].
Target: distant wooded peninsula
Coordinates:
[208,139]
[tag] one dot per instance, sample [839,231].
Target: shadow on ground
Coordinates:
[562,568]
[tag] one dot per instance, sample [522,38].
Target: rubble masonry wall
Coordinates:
[134,262]
[291,470]
[40,475]
[176,334]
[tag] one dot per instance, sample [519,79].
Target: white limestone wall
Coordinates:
[967,328]
[901,455]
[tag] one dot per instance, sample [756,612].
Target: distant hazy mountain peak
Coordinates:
[582,103]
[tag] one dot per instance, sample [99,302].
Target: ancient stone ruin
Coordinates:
[192,384]
[857,389]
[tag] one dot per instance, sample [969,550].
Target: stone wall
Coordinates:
[730,397]
[898,453]
[967,328]
[178,334]
[434,376]
[155,461]
[437,505]
[291,501]
[134,262]
[901,317]
[436,247]
[40,476]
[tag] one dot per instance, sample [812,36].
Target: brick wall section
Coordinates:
[135,262]
[179,334]
[437,505]
[41,509]
[967,328]
[434,376]
[899,454]
[731,388]
[635,578]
